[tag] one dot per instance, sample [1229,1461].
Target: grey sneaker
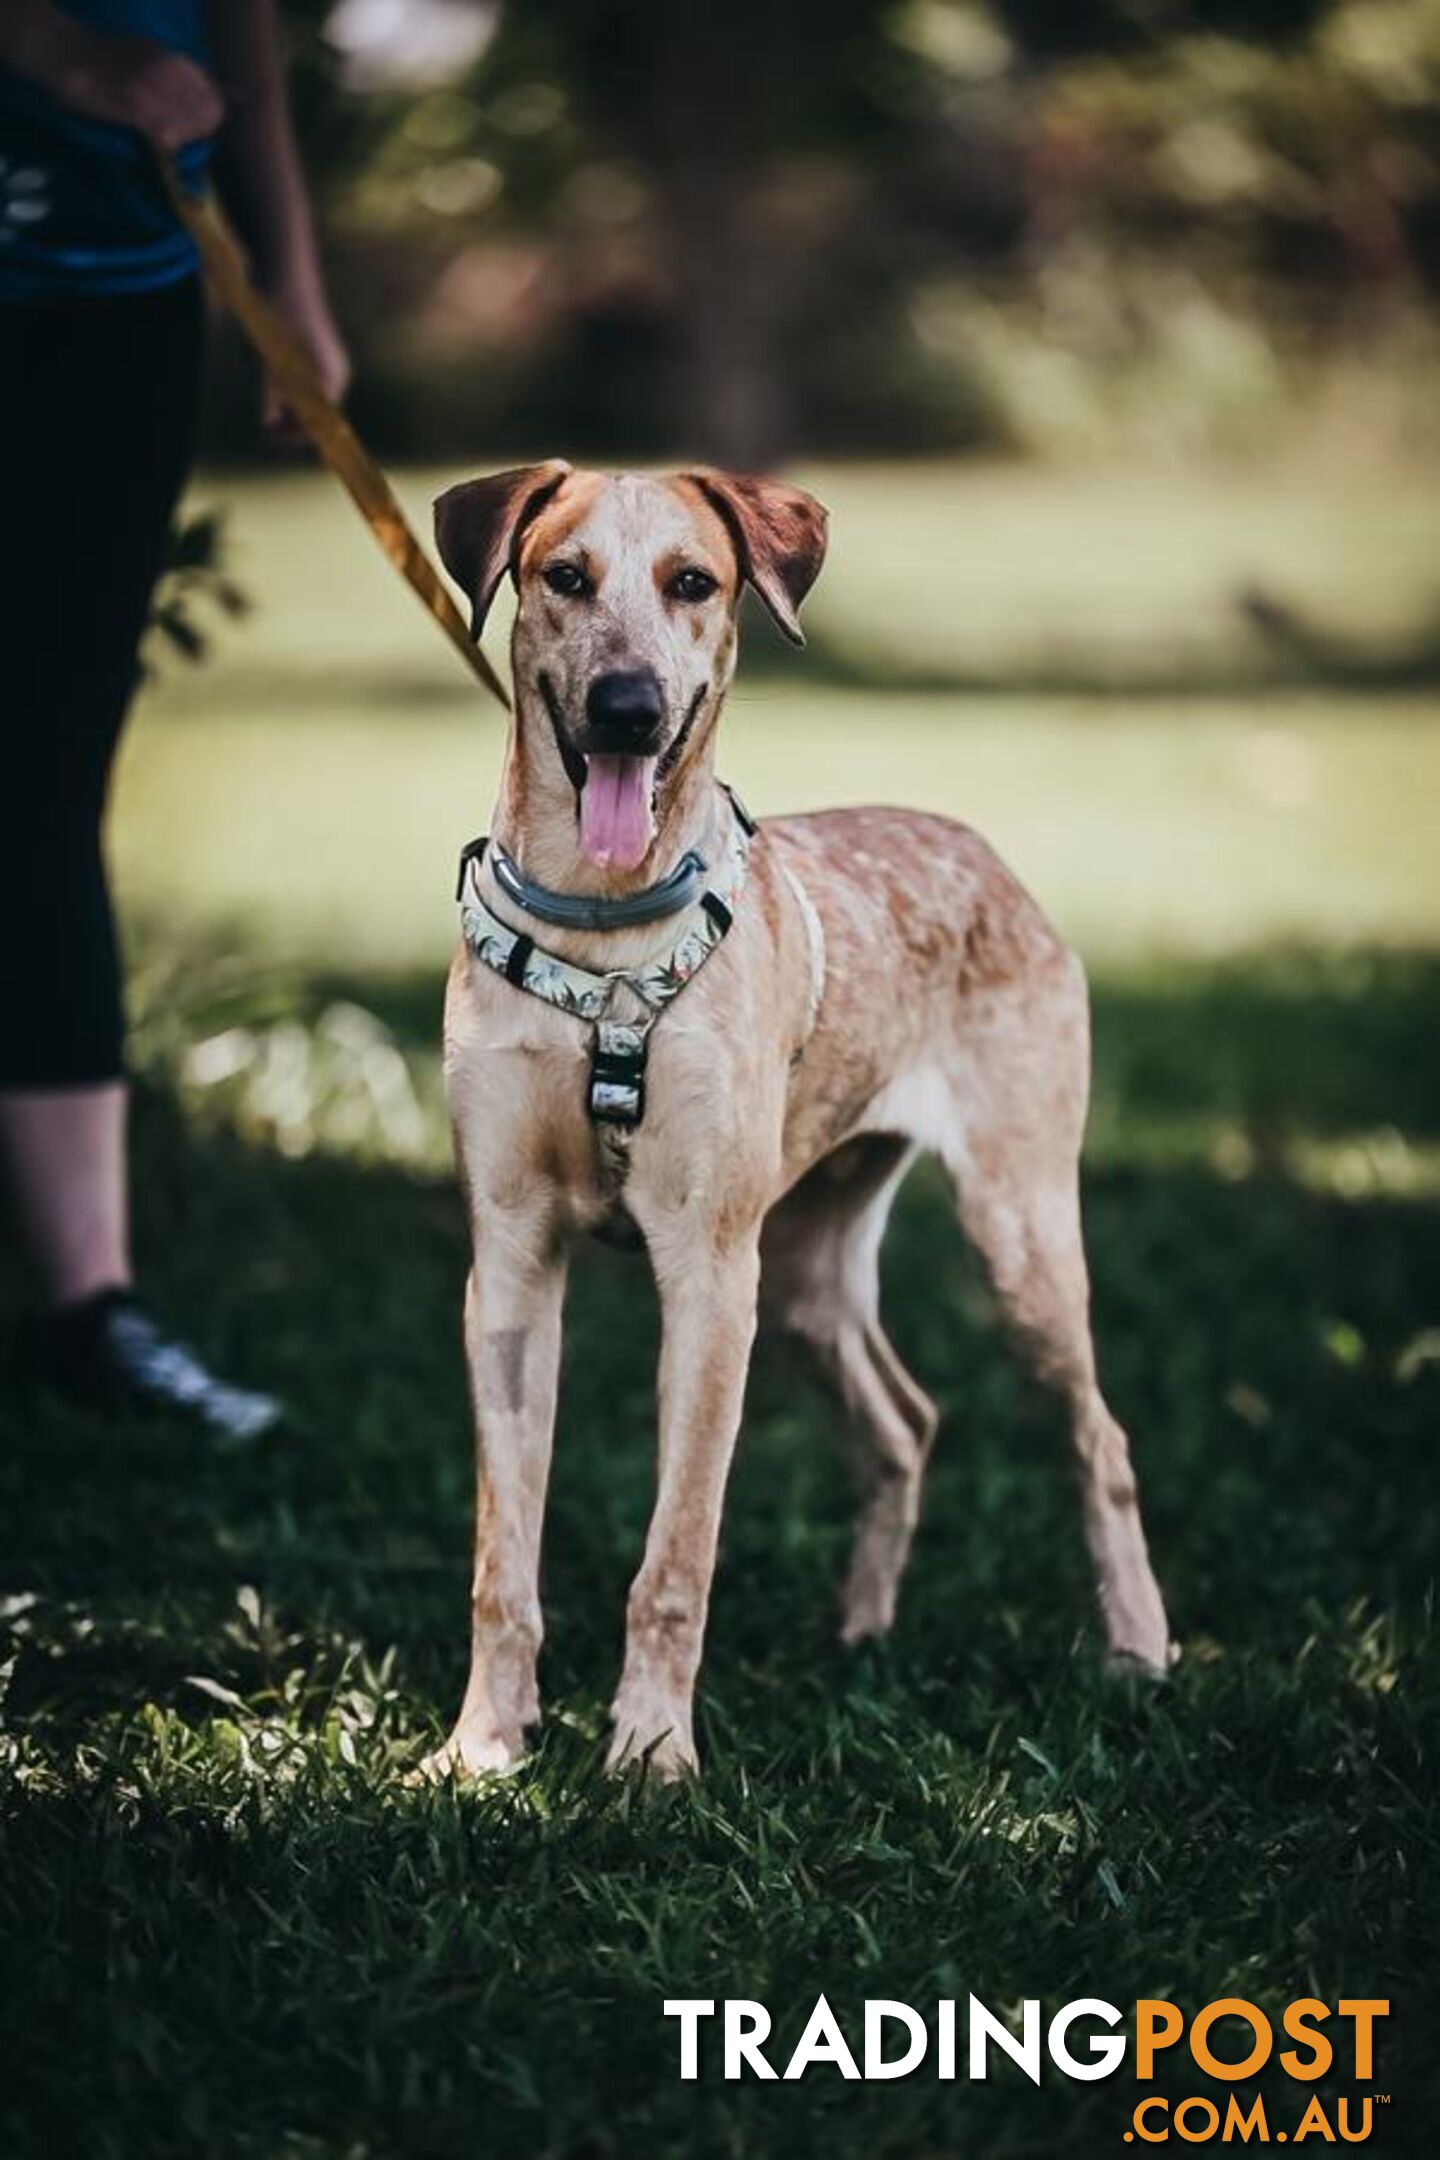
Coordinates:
[108,1355]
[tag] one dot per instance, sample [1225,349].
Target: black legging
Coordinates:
[98,403]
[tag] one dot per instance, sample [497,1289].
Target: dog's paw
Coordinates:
[468,1755]
[866,1619]
[1137,1633]
[662,1752]
[1130,1665]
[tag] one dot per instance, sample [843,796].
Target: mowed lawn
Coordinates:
[1202,719]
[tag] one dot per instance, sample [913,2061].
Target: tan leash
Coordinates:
[294,373]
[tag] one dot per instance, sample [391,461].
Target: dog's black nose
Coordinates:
[624,711]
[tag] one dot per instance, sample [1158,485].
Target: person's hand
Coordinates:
[306,313]
[136,83]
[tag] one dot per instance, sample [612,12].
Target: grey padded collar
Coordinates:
[592,911]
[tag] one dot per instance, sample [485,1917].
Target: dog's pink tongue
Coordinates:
[615,811]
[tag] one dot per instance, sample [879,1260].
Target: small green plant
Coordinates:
[195,579]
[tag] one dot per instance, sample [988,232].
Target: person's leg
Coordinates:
[97,414]
[63,1151]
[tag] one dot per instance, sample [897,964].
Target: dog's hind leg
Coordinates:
[820,1282]
[1018,1122]
[1032,1247]
[894,1423]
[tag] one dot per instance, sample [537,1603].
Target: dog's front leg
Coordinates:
[708,1325]
[513,1304]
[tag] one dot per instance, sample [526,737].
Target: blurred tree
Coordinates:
[883,224]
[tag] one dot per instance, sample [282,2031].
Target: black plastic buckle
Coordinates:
[616,1094]
[472,851]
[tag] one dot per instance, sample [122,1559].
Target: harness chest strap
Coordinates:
[615,1093]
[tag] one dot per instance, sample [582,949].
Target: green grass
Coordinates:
[226,1925]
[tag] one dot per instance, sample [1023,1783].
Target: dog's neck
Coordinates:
[537,825]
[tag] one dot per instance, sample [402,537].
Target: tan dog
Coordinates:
[885,986]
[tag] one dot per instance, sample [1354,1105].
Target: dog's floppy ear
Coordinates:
[779,536]
[479,523]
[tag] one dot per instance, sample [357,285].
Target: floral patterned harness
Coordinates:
[615,1094]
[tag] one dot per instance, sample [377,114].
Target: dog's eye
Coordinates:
[692,583]
[567,579]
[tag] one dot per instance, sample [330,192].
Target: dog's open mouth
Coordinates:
[617,820]
[614,795]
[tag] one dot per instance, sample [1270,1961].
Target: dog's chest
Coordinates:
[518,1080]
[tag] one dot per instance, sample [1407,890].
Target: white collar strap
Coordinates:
[616,1093]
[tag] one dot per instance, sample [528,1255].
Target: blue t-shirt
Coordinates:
[82,208]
